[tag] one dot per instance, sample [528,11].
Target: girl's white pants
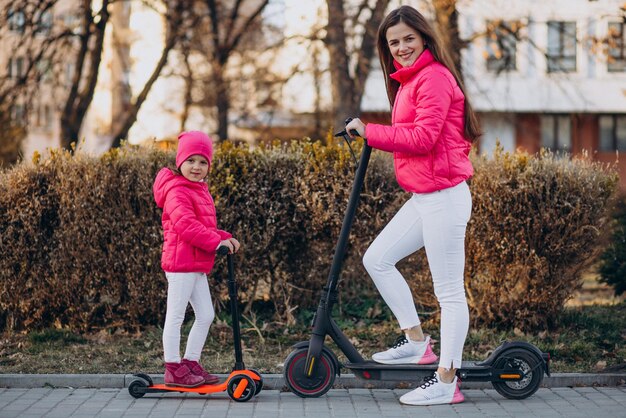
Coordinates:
[437,222]
[184,288]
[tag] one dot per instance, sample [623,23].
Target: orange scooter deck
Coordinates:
[218,387]
[241,386]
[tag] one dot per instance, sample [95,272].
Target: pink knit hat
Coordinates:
[193,143]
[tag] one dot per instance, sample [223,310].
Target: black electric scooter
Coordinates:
[515,369]
[242,384]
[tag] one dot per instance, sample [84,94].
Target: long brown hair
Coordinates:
[416,21]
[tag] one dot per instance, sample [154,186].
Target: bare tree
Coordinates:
[30,47]
[77,45]
[350,67]
[220,33]
[177,17]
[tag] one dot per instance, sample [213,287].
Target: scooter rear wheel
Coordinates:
[312,386]
[137,388]
[527,362]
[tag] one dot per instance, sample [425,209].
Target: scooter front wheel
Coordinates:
[259,383]
[312,386]
[241,388]
[529,364]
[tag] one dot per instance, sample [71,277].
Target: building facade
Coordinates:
[548,74]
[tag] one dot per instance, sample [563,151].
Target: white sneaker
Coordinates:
[404,351]
[434,392]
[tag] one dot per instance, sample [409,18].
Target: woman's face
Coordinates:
[405,43]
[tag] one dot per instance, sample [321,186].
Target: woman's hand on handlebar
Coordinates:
[357,125]
[226,244]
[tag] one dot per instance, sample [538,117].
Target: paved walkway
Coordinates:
[597,402]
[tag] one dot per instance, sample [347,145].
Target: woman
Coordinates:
[432,130]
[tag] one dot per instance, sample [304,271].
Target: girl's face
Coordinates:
[195,168]
[405,43]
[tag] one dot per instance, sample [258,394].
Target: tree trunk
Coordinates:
[222,102]
[78,100]
[447,18]
[342,87]
[348,87]
[188,98]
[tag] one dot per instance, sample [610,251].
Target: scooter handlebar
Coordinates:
[344,133]
[222,250]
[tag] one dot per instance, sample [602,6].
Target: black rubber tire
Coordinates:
[309,387]
[259,383]
[248,392]
[145,377]
[528,362]
[135,388]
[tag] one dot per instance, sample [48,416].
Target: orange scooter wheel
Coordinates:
[241,388]
[259,383]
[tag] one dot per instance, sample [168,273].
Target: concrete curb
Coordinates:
[277,381]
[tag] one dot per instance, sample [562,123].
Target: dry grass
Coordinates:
[589,339]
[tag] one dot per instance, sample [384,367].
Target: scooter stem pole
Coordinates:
[323,324]
[346,226]
[234,309]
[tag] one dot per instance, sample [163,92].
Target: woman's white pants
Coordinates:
[182,289]
[437,222]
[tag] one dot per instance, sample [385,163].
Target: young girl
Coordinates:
[432,130]
[190,241]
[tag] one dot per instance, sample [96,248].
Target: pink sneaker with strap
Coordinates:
[178,374]
[198,370]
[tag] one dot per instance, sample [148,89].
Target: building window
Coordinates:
[616,39]
[44,70]
[47,116]
[44,25]
[612,133]
[69,73]
[501,45]
[17,21]
[556,132]
[561,47]
[18,114]
[15,67]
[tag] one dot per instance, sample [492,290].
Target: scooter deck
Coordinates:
[147,386]
[469,371]
[202,389]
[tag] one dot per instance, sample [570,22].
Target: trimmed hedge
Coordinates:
[612,266]
[81,236]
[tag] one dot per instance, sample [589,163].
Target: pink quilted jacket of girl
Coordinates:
[190,234]
[427,135]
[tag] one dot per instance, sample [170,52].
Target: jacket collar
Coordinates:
[403,74]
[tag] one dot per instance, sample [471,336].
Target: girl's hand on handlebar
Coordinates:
[357,125]
[236,245]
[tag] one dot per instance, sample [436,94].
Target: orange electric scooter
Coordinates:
[241,385]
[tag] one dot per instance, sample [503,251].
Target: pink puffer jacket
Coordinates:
[427,136]
[190,234]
